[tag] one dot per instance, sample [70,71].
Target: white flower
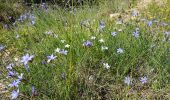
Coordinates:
[63,41]
[55,36]
[106,65]
[120,50]
[25,59]
[93,37]
[91,77]
[120,30]
[57,50]
[101,40]
[104,48]
[17,36]
[67,46]
[14,94]
[119,22]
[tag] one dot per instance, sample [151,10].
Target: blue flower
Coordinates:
[143,80]
[51,57]
[20,77]
[64,52]
[25,59]
[11,74]
[85,23]
[14,83]
[14,94]
[128,80]
[87,43]
[2,47]
[33,90]
[136,33]
[101,25]
[150,23]
[135,13]
[27,68]
[113,33]
[166,33]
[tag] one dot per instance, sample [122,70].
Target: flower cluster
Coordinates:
[15,83]
[128,80]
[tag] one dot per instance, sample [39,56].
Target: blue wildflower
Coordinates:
[2,47]
[14,83]
[14,94]
[11,74]
[43,62]
[34,92]
[25,59]
[33,89]
[136,33]
[51,57]
[166,33]
[27,68]
[87,43]
[150,23]
[113,34]
[101,25]
[143,80]
[85,23]
[20,77]
[128,80]
[64,52]
[135,13]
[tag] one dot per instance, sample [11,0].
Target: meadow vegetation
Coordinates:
[80,53]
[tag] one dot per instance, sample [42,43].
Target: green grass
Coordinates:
[139,58]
